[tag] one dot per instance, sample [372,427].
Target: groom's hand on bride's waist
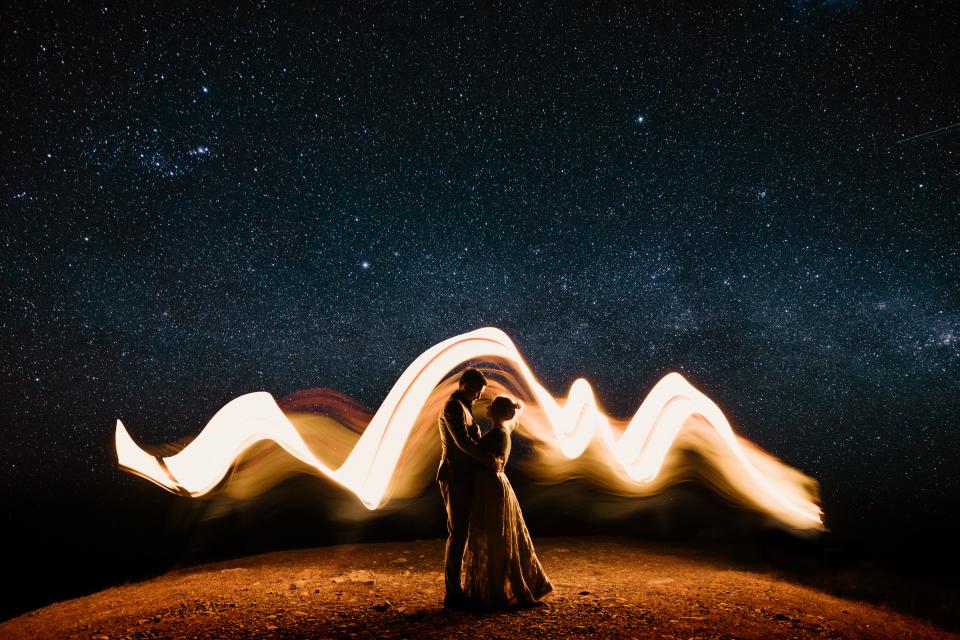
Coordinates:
[496,464]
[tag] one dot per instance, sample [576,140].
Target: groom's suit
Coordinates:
[460,456]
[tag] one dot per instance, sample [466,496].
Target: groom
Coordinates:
[460,456]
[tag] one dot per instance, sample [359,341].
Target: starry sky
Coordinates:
[199,203]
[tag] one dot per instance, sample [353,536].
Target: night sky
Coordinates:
[198,204]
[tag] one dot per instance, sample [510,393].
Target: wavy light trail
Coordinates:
[639,451]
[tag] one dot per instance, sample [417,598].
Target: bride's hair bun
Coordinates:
[505,407]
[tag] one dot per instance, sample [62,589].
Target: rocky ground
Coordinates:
[606,588]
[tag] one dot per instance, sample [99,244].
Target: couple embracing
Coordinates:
[490,560]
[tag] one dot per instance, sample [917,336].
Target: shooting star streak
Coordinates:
[929,134]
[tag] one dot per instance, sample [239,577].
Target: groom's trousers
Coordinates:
[456,498]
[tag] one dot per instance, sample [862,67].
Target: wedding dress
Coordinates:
[500,565]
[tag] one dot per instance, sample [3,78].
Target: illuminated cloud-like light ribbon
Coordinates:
[640,450]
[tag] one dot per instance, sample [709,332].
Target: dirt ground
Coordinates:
[605,588]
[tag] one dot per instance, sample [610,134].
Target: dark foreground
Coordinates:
[606,588]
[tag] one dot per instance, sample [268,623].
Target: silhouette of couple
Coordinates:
[490,560]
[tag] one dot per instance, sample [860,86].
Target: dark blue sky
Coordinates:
[200,203]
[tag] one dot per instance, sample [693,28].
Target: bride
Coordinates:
[500,565]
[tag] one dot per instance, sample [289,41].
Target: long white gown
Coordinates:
[500,566]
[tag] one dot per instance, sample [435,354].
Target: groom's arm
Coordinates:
[457,428]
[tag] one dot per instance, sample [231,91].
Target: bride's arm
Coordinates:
[505,444]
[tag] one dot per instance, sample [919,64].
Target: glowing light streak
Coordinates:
[640,450]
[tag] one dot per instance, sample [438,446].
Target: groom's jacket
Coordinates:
[459,433]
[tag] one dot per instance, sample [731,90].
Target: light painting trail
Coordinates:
[637,450]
